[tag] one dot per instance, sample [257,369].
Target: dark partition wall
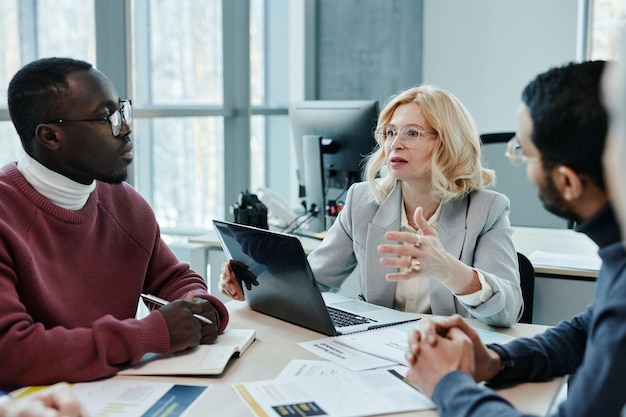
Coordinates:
[368,49]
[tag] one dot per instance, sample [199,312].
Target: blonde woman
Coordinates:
[424,190]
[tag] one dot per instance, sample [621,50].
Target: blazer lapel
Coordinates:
[452,230]
[387,218]
[452,227]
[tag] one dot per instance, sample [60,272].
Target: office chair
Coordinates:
[527,282]
[496,137]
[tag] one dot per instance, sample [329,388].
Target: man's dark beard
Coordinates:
[115,178]
[553,202]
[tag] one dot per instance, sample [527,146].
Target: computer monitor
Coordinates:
[330,139]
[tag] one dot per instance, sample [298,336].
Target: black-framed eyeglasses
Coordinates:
[123,114]
[410,135]
[515,153]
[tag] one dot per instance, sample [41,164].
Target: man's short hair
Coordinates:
[37,93]
[569,121]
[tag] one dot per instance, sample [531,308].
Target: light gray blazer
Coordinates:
[474,229]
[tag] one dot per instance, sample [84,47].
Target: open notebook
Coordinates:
[201,360]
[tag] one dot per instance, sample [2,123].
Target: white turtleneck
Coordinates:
[57,188]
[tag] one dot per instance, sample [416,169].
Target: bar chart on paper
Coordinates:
[136,398]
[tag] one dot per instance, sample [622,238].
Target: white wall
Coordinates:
[486,51]
[483,51]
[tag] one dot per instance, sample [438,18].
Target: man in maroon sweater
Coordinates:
[78,245]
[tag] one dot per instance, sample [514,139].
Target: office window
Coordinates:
[605,28]
[257,94]
[26,34]
[257,52]
[177,78]
[177,52]
[269,54]
[188,114]
[181,168]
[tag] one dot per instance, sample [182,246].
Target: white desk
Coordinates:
[276,345]
[560,292]
[530,239]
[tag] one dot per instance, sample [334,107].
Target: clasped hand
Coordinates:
[445,346]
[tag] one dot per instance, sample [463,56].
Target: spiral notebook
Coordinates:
[287,288]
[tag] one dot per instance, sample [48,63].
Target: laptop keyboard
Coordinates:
[342,318]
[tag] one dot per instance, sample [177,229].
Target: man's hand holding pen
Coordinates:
[186,329]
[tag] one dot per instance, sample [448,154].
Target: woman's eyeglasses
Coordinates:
[410,135]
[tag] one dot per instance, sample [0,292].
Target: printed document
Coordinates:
[340,394]
[377,348]
[132,397]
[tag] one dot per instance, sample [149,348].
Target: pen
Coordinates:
[397,323]
[161,302]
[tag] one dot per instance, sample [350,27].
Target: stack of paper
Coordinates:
[364,376]
[377,348]
[565,260]
[309,388]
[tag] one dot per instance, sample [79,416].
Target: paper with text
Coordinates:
[377,348]
[343,395]
[330,348]
[306,368]
[136,398]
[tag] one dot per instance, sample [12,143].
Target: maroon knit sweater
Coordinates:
[70,282]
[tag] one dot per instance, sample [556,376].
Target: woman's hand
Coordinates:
[229,285]
[424,256]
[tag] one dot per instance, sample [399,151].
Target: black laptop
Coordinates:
[287,288]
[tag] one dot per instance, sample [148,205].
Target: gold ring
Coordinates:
[414,265]
[418,242]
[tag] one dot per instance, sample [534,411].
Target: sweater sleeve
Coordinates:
[458,395]
[76,354]
[172,280]
[556,352]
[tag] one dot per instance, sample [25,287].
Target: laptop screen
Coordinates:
[287,288]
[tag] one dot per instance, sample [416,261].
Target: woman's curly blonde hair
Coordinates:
[456,168]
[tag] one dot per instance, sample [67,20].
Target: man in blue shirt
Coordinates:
[561,130]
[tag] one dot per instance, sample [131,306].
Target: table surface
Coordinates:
[526,240]
[276,346]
